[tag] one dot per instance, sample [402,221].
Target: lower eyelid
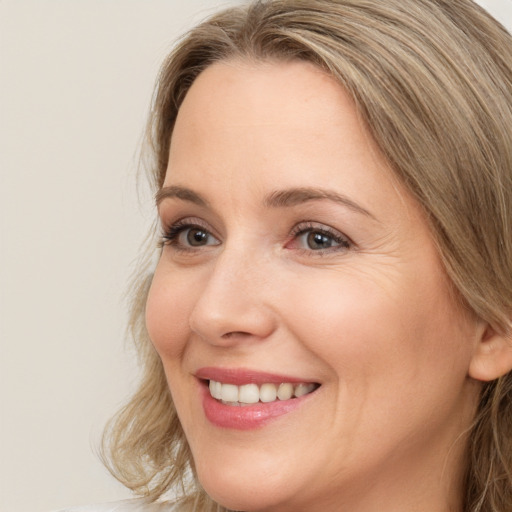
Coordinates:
[172,235]
[341,242]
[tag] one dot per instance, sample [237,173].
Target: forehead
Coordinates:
[263,87]
[279,105]
[272,94]
[247,127]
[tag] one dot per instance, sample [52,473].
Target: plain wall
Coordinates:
[75,83]
[76,77]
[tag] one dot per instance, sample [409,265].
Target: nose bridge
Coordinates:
[234,299]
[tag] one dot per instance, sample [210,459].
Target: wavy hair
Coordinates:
[432,79]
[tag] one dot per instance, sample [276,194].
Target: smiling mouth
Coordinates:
[250,394]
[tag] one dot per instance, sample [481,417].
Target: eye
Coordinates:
[196,237]
[314,238]
[188,236]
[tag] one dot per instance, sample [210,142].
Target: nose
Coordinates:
[234,305]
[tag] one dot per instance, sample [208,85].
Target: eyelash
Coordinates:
[171,236]
[344,243]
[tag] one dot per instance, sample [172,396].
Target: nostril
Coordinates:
[233,334]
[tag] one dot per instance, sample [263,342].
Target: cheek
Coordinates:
[395,357]
[366,326]
[167,311]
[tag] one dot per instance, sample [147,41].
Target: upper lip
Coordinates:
[241,376]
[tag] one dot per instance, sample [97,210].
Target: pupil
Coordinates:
[319,241]
[197,237]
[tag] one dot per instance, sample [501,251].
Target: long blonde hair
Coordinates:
[432,79]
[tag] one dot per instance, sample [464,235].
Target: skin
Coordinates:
[373,320]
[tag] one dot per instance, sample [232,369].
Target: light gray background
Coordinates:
[75,82]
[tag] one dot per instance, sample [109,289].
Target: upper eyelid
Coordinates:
[187,222]
[303,226]
[311,224]
[169,216]
[171,232]
[297,229]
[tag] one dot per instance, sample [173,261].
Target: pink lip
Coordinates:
[250,416]
[240,376]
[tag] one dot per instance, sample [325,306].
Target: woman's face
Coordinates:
[293,262]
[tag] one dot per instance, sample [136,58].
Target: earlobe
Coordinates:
[492,357]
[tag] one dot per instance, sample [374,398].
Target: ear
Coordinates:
[492,357]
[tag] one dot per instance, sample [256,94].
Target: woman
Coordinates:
[329,325]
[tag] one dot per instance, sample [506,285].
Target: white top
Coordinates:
[135,505]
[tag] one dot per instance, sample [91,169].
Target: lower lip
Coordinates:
[246,417]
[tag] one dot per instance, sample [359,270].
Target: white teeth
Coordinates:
[268,392]
[216,389]
[285,391]
[303,389]
[229,393]
[251,394]
[248,394]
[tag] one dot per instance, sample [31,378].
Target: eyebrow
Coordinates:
[183,193]
[277,199]
[295,196]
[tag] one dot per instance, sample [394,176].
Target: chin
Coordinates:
[247,499]
[249,492]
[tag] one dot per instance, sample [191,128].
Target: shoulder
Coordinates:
[135,505]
